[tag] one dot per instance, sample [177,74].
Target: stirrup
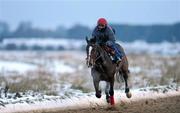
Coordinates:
[118,61]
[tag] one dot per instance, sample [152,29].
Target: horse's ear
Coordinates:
[87,40]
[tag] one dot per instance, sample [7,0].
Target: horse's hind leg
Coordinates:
[107,92]
[127,91]
[111,92]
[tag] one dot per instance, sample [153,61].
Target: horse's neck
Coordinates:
[106,66]
[105,57]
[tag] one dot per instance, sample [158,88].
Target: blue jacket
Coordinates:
[103,36]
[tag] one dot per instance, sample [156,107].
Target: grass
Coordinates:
[79,81]
[168,65]
[31,81]
[43,80]
[172,73]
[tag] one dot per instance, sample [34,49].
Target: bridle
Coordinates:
[92,55]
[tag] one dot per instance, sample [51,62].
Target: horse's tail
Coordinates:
[119,77]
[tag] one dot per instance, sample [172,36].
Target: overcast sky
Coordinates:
[51,13]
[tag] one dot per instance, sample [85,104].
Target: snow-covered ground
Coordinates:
[14,66]
[71,66]
[60,78]
[33,101]
[66,43]
[22,67]
[164,48]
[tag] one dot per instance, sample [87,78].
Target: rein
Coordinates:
[97,58]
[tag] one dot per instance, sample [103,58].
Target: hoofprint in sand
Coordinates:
[31,101]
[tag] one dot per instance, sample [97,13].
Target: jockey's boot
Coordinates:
[118,60]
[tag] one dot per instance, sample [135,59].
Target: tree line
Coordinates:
[124,32]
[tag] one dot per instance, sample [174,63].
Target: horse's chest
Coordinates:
[107,76]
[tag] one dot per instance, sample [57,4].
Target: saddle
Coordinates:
[91,60]
[108,50]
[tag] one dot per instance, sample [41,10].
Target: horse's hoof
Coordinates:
[129,95]
[112,100]
[98,95]
[108,99]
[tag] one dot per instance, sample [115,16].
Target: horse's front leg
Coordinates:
[107,92]
[96,80]
[111,92]
[96,86]
[127,91]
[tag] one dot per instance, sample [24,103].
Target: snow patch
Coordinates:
[13,66]
[135,69]
[163,48]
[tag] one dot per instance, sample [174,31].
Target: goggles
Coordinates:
[101,25]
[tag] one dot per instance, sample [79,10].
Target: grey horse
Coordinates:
[103,69]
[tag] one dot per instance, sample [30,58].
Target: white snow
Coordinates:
[23,67]
[164,48]
[66,43]
[61,67]
[13,66]
[22,62]
[135,69]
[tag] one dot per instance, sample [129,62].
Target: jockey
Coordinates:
[103,34]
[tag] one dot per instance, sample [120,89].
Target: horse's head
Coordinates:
[93,51]
[89,47]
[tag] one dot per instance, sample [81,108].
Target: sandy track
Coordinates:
[148,102]
[161,105]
